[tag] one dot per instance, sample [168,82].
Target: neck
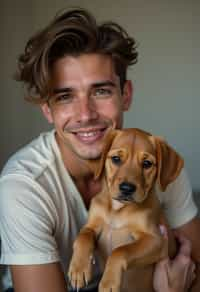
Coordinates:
[88,188]
[76,166]
[82,172]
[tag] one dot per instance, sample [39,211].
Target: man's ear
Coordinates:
[46,110]
[107,145]
[169,163]
[127,95]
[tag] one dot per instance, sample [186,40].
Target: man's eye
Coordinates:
[63,98]
[146,164]
[116,160]
[102,92]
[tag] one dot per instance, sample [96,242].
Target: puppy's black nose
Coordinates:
[127,188]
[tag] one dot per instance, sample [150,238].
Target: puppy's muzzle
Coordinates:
[127,191]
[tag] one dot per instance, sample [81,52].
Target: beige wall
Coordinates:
[166,79]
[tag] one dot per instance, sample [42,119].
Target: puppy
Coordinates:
[124,218]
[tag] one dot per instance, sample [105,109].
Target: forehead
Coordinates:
[83,69]
[134,140]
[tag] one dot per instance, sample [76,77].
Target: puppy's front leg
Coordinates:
[80,269]
[148,249]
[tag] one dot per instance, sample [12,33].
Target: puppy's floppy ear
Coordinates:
[107,144]
[169,163]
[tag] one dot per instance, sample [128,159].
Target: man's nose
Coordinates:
[87,109]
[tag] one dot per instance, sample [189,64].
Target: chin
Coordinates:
[89,154]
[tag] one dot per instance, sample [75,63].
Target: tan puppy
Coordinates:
[124,217]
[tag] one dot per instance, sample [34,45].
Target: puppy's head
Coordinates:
[133,160]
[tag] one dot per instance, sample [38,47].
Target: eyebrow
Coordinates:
[94,85]
[62,89]
[104,83]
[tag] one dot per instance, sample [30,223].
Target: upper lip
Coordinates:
[88,130]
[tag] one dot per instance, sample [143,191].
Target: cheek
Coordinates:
[60,116]
[111,110]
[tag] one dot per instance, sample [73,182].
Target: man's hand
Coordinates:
[38,278]
[178,274]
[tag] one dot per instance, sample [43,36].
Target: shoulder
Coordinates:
[178,202]
[32,159]
[180,187]
[22,179]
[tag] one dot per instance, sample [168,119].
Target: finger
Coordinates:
[163,264]
[185,245]
[191,275]
[163,231]
[193,267]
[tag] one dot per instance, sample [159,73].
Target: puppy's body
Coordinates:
[124,217]
[122,225]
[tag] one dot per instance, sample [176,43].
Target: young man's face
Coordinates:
[86,102]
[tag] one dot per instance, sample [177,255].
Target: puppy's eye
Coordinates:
[116,160]
[146,164]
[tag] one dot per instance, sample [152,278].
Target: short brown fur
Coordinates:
[124,217]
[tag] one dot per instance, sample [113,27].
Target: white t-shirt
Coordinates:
[41,210]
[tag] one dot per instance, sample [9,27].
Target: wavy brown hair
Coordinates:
[73,33]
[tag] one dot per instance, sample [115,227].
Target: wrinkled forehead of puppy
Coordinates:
[135,139]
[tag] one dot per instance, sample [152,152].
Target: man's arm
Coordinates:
[40,278]
[28,245]
[191,230]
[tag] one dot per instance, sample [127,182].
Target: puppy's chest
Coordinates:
[116,232]
[119,231]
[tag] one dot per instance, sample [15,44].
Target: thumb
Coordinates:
[164,233]
[185,245]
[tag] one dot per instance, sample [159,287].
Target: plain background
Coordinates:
[166,79]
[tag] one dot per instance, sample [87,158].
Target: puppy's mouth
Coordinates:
[130,198]
[124,198]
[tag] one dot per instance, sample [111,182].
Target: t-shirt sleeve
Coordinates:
[27,223]
[178,202]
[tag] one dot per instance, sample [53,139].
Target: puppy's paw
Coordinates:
[80,271]
[111,281]
[108,285]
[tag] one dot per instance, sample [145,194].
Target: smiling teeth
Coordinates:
[90,134]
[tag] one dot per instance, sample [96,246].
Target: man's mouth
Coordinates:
[90,136]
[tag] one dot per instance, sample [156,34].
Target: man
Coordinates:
[75,70]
